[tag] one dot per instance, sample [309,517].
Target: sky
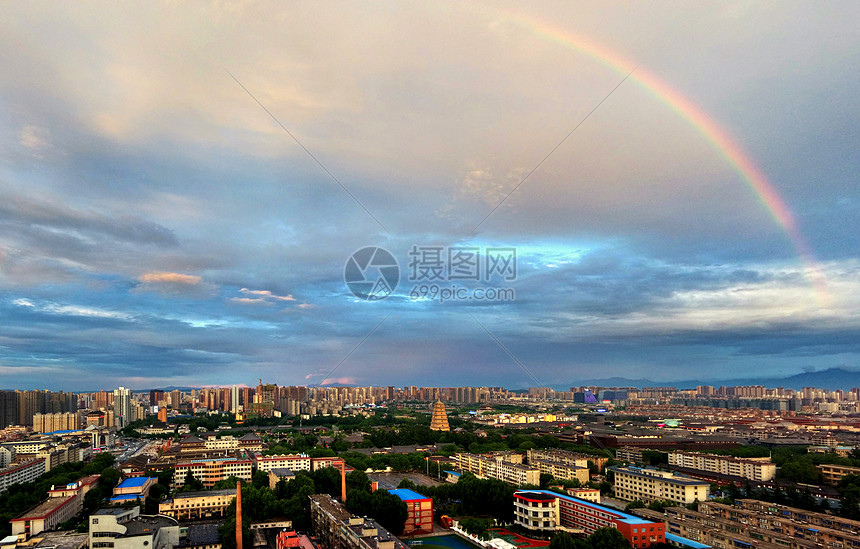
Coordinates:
[660,190]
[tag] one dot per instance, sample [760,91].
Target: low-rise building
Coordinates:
[497,467]
[573,459]
[635,483]
[758,469]
[134,488]
[419,509]
[561,471]
[210,471]
[197,505]
[293,462]
[25,471]
[46,516]
[588,494]
[276,475]
[63,503]
[544,511]
[834,473]
[119,528]
[337,528]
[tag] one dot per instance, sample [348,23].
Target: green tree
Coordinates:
[607,538]
[635,504]
[389,510]
[358,480]
[191,483]
[260,479]
[563,540]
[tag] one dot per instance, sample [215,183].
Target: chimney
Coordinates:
[342,482]
[238,515]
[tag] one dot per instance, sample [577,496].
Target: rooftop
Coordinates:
[619,515]
[44,509]
[684,542]
[125,497]
[135,482]
[205,493]
[148,525]
[652,473]
[407,495]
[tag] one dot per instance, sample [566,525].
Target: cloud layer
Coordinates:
[157,225]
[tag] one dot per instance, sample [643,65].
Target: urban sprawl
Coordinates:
[391,467]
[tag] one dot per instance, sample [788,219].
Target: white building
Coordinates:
[126,529]
[634,483]
[761,469]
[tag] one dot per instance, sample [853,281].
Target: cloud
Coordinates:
[72,310]
[34,138]
[266,294]
[250,301]
[170,278]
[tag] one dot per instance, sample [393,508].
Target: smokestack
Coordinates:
[238,515]
[342,482]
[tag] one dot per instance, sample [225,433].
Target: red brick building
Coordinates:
[546,511]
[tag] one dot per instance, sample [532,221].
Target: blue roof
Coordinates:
[125,497]
[135,482]
[64,432]
[621,515]
[684,542]
[455,473]
[407,495]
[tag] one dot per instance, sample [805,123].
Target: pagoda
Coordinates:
[439,421]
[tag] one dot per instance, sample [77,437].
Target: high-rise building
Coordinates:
[123,410]
[234,399]
[439,421]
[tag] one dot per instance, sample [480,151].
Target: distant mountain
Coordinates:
[832,379]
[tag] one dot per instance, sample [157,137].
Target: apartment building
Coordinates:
[573,459]
[63,503]
[26,471]
[248,443]
[197,505]
[630,454]
[119,528]
[720,533]
[829,530]
[561,471]
[293,462]
[635,483]
[496,466]
[210,471]
[546,512]
[759,469]
[834,473]
[337,528]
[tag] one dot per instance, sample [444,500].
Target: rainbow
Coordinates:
[704,124]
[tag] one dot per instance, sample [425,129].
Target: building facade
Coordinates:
[834,473]
[337,528]
[647,485]
[197,505]
[26,471]
[498,467]
[210,471]
[545,511]
[758,469]
[419,509]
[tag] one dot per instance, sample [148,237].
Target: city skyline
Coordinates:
[655,192]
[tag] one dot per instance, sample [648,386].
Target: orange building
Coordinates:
[419,509]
